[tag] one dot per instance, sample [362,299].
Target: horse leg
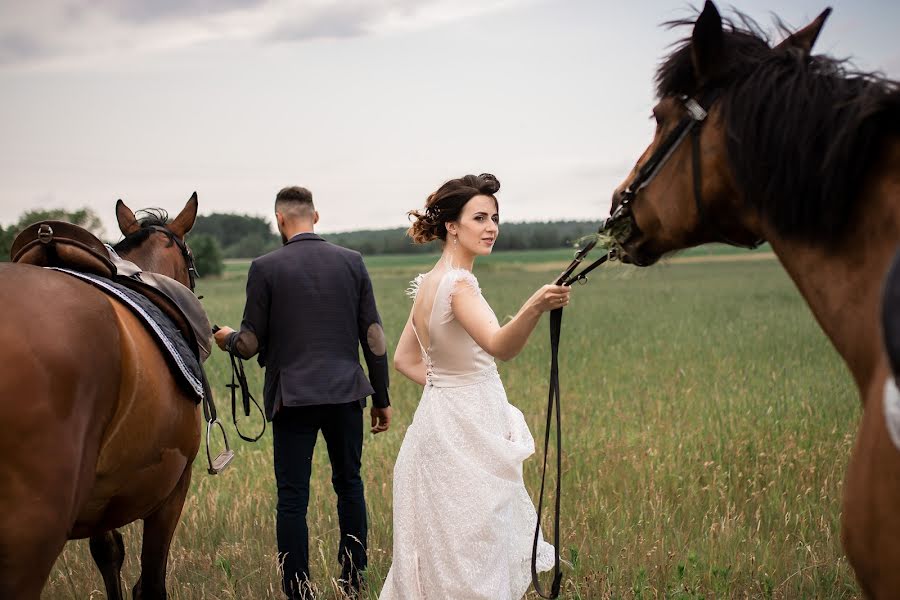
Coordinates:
[870,526]
[32,535]
[25,566]
[108,551]
[159,529]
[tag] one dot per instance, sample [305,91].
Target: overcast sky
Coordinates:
[370,104]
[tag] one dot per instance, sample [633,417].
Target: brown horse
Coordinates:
[800,152]
[98,433]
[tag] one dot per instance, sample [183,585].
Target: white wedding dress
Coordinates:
[463,520]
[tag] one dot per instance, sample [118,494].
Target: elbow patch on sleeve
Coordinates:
[375,339]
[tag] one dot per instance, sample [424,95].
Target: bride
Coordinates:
[463,520]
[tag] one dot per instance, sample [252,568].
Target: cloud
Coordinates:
[334,20]
[142,11]
[17,46]
[81,31]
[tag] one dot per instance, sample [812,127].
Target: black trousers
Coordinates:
[294,433]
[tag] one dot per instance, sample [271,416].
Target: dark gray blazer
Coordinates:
[309,307]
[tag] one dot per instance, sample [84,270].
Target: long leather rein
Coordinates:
[696,114]
[238,381]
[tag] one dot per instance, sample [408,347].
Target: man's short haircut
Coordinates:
[295,201]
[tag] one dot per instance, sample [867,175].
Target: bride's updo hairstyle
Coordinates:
[446,204]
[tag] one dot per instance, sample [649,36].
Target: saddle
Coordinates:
[61,244]
[69,246]
[890,315]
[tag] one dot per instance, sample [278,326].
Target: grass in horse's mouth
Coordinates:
[609,237]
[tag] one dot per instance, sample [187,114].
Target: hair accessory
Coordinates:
[432,214]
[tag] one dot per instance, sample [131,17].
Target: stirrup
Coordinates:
[225,456]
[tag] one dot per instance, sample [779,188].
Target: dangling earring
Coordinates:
[452,255]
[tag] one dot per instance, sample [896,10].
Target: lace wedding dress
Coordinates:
[463,520]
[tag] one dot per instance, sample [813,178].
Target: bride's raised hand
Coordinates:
[507,341]
[549,297]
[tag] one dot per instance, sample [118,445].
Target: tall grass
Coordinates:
[707,424]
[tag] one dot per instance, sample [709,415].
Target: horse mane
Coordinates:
[802,131]
[150,218]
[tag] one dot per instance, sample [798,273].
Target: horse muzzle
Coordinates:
[637,259]
[627,238]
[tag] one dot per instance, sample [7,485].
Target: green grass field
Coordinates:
[404,262]
[707,425]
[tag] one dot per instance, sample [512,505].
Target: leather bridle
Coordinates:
[691,123]
[622,218]
[185,253]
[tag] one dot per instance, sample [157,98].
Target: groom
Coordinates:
[309,307]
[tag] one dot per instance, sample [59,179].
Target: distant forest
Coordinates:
[221,235]
[241,236]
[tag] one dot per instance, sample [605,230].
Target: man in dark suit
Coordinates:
[309,307]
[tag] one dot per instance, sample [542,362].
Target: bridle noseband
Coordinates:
[185,253]
[690,123]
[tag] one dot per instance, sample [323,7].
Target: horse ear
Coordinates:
[707,43]
[128,224]
[185,219]
[804,39]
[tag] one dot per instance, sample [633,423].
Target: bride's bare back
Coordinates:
[447,348]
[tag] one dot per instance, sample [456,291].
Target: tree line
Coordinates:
[222,235]
[513,236]
[242,236]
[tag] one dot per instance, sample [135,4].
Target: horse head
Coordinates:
[683,191]
[156,244]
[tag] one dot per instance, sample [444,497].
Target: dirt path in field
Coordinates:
[675,260]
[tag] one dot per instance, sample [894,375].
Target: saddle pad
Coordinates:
[890,314]
[182,297]
[892,410]
[170,341]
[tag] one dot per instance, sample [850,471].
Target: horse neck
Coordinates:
[843,285]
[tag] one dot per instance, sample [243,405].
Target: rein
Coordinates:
[567,278]
[690,124]
[238,380]
[237,374]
